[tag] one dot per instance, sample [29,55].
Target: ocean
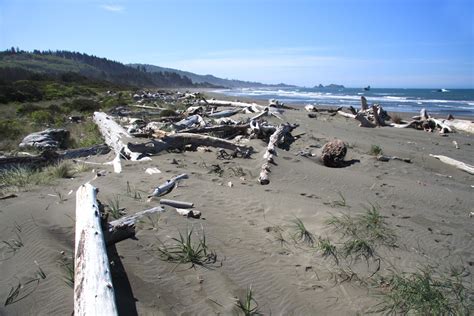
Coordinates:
[458,102]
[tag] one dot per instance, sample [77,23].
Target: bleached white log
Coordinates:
[443,127]
[345,114]
[225,113]
[460,125]
[406,125]
[190,121]
[179,140]
[269,154]
[254,106]
[168,186]
[93,289]
[217,128]
[456,163]
[124,227]
[178,204]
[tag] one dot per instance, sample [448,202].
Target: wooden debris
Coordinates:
[124,227]
[388,158]
[178,204]
[275,140]
[168,186]
[456,163]
[93,289]
[189,212]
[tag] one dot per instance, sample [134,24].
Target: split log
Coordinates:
[124,227]
[456,163]
[93,289]
[168,186]
[177,204]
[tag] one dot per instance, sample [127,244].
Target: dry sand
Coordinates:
[427,203]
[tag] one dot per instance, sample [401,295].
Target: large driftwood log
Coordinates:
[456,163]
[124,227]
[460,125]
[274,141]
[242,128]
[180,140]
[93,289]
[190,121]
[177,204]
[225,113]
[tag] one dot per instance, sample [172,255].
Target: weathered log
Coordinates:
[177,204]
[190,121]
[225,113]
[242,128]
[388,158]
[168,186]
[188,212]
[255,107]
[456,163]
[377,117]
[180,140]
[124,227]
[84,152]
[93,289]
[269,154]
[460,125]
[364,122]
[345,114]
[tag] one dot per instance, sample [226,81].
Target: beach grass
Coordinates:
[300,233]
[248,306]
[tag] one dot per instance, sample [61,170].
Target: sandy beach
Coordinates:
[250,227]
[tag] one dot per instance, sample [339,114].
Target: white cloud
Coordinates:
[112,7]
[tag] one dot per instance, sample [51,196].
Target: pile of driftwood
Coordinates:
[376,116]
[207,123]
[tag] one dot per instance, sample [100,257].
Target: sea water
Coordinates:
[458,102]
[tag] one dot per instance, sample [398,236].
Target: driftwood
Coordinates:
[456,163]
[177,204]
[190,121]
[188,212]
[180,140]
[253,106]
[388,158]
[241,128]
[460,125]
[124,227]
[274,141]
[225,113]
[93,289]
[168,186]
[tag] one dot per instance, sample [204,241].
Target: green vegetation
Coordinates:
[421,293]
[113,207]
[248,305]
[187,250]
[375,150]
[300,233]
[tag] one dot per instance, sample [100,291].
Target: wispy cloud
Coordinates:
[112,7]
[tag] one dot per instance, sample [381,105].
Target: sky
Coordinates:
[382,43]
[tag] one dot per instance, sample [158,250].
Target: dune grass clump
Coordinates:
[363,232]
[20,177]
[113,207]
[248,305]
[300,233]
[375,150]
[421,293]
[61,170]
[397,119]
[327,249]
[187,249]
[66,263]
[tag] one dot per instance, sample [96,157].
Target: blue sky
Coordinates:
[384,43]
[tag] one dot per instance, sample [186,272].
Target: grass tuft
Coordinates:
[61,170]
[421,293]
[300,233]
[113,207]
[248,305]
[327,248]
[375,150]
[188,250]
